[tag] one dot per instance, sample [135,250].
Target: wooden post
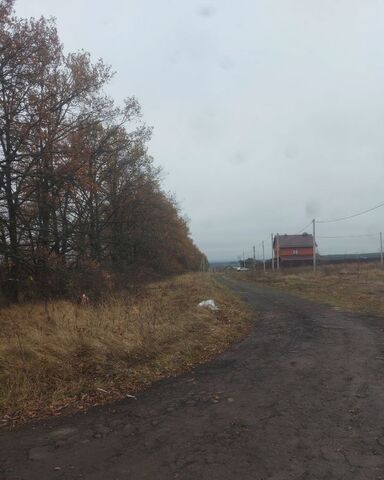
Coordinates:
[314,244]
[381,249]
[203,265]
[263,256]
[254,257]
[278,252]
[273,254]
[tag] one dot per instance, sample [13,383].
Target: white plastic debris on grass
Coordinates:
[208,304]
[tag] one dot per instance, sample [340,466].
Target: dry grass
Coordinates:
[357,286]
[60,357]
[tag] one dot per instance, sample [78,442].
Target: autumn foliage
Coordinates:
[81,206]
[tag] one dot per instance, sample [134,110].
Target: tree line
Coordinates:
[81,203]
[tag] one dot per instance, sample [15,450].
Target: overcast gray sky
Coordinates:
[266,113]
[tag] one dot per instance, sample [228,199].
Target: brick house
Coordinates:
[293,248]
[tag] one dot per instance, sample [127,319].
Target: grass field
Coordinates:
[60,357]
[357,286]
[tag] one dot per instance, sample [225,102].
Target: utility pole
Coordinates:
[263,256]
[314,244]
[273,254]
[381,249]
[278,252]
[203,264]
[254,257]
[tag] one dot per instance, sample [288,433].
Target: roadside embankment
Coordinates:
[59,357]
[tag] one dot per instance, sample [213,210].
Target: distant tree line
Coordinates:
[80,200]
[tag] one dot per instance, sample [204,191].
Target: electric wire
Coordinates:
[340,219]
[306,226]
[350,236]
[352,216]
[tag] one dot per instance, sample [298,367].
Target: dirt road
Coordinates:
[301,398]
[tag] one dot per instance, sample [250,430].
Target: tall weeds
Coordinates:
[63,356]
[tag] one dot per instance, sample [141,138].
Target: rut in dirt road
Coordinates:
[301,398]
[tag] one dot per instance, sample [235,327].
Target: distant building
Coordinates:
[247,263]
[293,248]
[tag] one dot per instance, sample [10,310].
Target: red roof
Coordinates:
[294,241]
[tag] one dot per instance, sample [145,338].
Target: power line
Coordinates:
[351,216]
[339,220]
[306,226]
[350,236]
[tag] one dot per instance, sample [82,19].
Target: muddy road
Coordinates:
[301,398]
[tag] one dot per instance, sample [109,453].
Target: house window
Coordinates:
[295,251]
